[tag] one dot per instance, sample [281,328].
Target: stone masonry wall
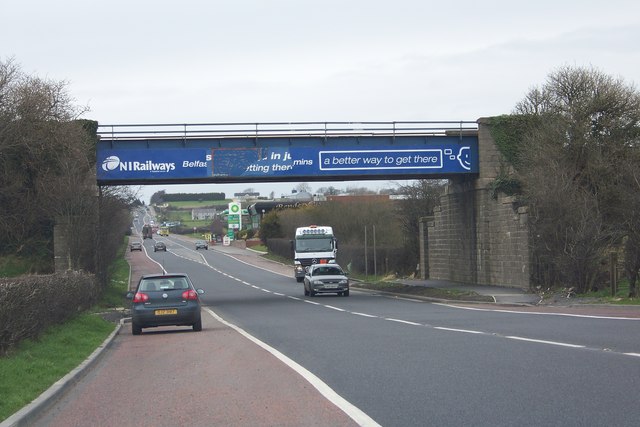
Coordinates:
[452,238]
[62,261]
[475,238]
[503,241]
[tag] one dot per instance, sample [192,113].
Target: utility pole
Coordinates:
[375,259]
[366,267]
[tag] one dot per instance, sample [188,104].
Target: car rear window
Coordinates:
[328,271]
[163,284]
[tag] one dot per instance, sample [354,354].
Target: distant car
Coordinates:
[201,244]
[159,246]
[165,300]
[325,278]
[135,246]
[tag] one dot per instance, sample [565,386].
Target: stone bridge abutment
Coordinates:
[474,237]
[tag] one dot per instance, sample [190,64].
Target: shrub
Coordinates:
[32,303]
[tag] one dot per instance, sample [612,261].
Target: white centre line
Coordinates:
[406,322]
[363,314]
[562,344]
[466,331]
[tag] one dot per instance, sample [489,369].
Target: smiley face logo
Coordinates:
[464,157]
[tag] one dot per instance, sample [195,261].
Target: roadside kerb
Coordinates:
[31,412]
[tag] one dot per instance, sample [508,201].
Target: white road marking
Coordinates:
[441,304]
[405,298]
[363,314]
[562,344]
[406,322]
[466,331]
[347,407]
[499,310]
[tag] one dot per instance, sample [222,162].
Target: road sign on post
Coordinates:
[234,218]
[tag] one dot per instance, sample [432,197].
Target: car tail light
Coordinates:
[190,295]
[140,297]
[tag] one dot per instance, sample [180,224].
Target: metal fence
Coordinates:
[280,129]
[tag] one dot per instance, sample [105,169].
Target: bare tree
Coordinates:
[571,164]
[47,176]
[39,142]
[421,197]
[303,186]
[328,191]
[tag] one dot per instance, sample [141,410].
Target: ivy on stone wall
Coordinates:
[505,183]
[508,133]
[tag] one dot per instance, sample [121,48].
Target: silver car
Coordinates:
[325,278]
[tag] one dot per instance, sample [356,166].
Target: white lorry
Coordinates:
[314,244]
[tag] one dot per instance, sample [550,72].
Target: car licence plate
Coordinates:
[330,286]
[165,312]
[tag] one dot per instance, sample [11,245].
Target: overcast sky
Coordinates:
[295,60]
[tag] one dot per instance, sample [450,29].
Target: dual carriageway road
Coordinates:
[269,356]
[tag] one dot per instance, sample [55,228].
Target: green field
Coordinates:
[184,217]
[181,211]
[199,204]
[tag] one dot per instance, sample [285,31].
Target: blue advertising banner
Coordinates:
[151,165]
[286,163]
[308,161]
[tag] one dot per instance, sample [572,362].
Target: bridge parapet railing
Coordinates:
[284,129]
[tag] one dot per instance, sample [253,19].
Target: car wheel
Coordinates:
[299,279]
[345,294]
[311,292]
[306,292]
[197,327]
[136,329]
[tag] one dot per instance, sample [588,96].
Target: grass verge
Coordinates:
[374,283]
[605,296]
[114,294]
[35,365]
[13,266]
[423,291]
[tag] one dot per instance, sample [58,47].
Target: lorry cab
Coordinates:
[313,245]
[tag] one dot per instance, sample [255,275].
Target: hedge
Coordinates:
[30,304]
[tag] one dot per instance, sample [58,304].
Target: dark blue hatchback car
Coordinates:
[165,300]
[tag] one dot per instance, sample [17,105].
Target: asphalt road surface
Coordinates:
[371,360]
